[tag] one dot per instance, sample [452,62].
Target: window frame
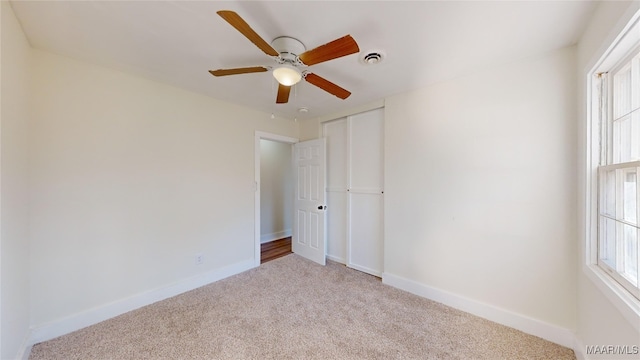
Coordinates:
[608,162]
[619,47]
[610,271]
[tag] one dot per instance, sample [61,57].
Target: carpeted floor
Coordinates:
[291,308]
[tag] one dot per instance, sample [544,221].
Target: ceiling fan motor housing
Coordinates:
[288,47]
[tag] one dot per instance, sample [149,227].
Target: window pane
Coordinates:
[626,138]
[608,198]
[622,92]
[607,245]
[635,82]
[616,141]
[630,254]
[634,135]
[630,196]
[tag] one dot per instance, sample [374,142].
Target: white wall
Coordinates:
[276,190]
[479,189]
[600,321]
[14,245]
[130,179]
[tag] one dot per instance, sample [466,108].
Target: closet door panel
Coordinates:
[366,150]
[366,174]
[337,226]
[337,172]
[336,134]
[366,233]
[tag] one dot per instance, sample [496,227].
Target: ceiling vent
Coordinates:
[372,58]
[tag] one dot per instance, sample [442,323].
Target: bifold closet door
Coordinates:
[365,191]
[337,171]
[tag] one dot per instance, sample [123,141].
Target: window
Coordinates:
[617,113]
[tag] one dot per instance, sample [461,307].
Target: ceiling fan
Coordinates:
[291,58]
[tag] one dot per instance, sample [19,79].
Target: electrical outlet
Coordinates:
[199,259]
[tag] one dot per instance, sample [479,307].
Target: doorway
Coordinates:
[273,195]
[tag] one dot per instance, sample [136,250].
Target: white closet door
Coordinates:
[337,170]
[365,192]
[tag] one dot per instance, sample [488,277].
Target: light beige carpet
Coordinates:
[291,308]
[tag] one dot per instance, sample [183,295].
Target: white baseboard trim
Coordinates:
[264,238]
[26,352]
[365,269]
[579,349]
[25,349]
[93,316]
[336,259]
[517,321]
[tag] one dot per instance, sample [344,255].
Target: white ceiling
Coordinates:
[177,42]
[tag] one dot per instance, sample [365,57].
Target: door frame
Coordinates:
[260,135]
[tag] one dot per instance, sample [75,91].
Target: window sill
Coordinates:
[626,303]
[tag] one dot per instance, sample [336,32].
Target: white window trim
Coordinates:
[624,301]
[604,266]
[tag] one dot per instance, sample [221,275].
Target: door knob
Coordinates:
[322,207]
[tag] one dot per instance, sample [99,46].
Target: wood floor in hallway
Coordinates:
[275,249]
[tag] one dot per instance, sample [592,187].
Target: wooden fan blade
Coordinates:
[327,86]
[237,22]
[236,71]
[283,94]
[337,48]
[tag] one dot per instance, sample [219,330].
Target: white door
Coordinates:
[310,206]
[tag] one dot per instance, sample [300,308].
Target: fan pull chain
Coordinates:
[273,95]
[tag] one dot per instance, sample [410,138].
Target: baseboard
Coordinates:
[336,259]
[365,269]
[264,238]
[26,352]
[579,350]
[93,316]
[25,349]
[550,332]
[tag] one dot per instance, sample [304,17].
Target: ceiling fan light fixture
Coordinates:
[287,75]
